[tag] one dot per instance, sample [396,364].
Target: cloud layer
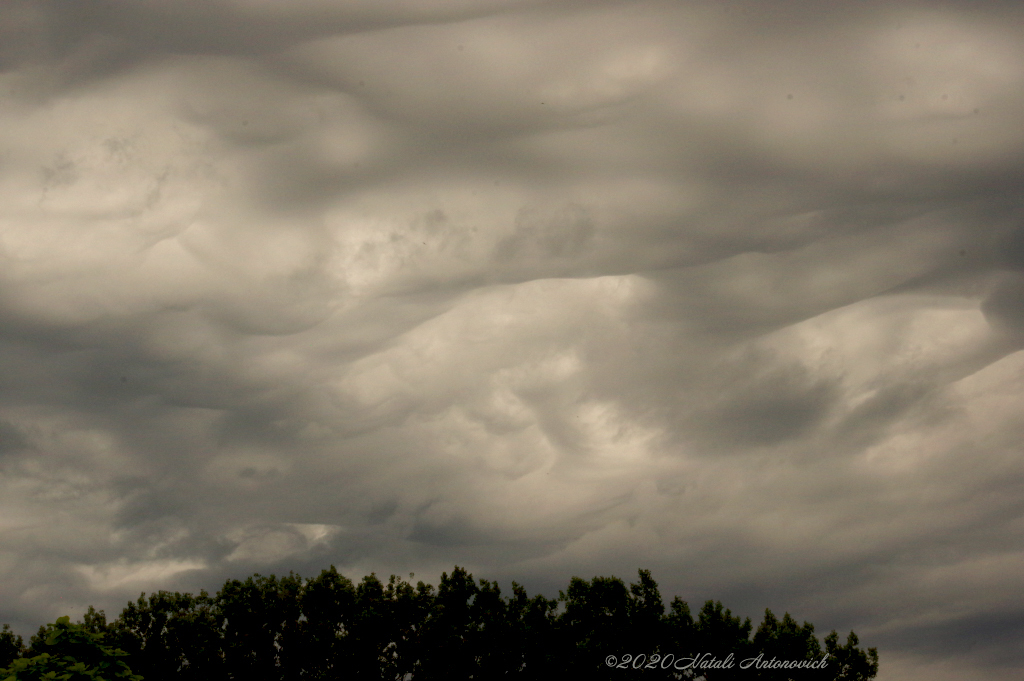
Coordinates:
[733,291]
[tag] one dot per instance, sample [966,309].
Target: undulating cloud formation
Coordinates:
[733,291]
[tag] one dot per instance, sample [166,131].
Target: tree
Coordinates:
[850,663]
[681,631]
[491,634]
[11,647]
[73,653]
[721,637]
[270,628]
[647,623]
[786,640]
[260,617]
[447,633]
[328,605]
[597,614]
[171,635]
[371,631]
[532,623]
[95,621]
[409,606]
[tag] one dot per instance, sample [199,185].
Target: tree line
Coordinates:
[327,627]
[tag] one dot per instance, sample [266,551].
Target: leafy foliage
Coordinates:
[73,653]
[327,627]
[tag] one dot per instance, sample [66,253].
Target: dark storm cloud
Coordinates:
[729,290]
[220,27]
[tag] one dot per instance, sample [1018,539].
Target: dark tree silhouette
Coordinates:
[327,627]
[171,635]
[11,646]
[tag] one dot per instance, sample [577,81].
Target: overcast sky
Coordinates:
[733,291]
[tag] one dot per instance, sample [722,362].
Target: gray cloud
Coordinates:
[727,290]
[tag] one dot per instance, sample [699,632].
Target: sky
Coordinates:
[731,291]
